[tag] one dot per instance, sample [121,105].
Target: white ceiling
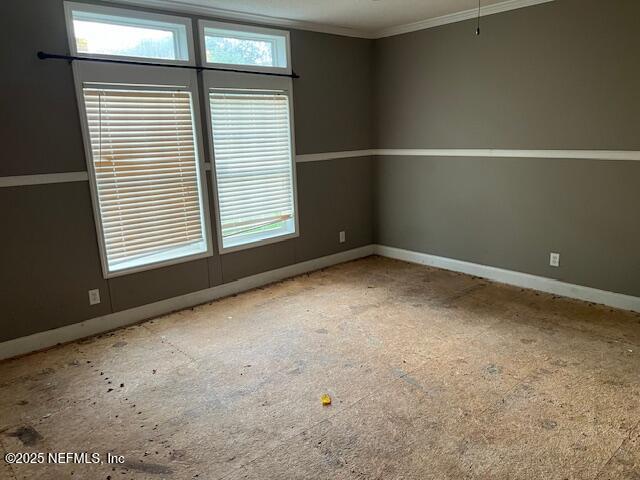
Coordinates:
[366,18]
[365,15]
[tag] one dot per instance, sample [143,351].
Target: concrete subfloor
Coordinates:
[433,375]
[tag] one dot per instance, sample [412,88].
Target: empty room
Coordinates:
[320,239]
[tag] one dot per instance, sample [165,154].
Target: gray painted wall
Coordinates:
[560,75]
[511,213]
[49,252]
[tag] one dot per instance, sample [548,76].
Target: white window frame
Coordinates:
[188,48]
[203,24]
[138,76]
[240,81]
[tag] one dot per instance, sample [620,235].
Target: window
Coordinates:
[145,164]
[143,141]
[250,122]
[110,32]
[230,45]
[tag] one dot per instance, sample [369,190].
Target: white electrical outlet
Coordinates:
[554,260]
[94,297]
[343,236]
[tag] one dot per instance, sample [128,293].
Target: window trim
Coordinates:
[203,24]
[69,7]
[231,80]
[140,76]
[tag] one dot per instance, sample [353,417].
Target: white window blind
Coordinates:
[253,165]
[146,175]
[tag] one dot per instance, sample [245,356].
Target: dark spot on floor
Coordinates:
[29,436]
[322,330]
[615,382]
[527,341]
[405,377]
[178,455]
[412,381]
[119,344]
[493,369]
[23,402]
[549,424]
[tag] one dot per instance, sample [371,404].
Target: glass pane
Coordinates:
[128,37]
[245,48]
[239,52]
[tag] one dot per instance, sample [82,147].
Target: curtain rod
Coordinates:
[70,58]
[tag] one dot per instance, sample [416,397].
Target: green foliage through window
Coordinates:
[236,51]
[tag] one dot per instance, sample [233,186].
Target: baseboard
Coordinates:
[49,338]
[524,280]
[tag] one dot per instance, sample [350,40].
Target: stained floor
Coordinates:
[433,375]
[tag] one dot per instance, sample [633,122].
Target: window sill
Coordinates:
[162,259]
[259,240]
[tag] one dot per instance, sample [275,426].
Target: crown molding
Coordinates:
[190,7]
[194,8]
[457,17]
